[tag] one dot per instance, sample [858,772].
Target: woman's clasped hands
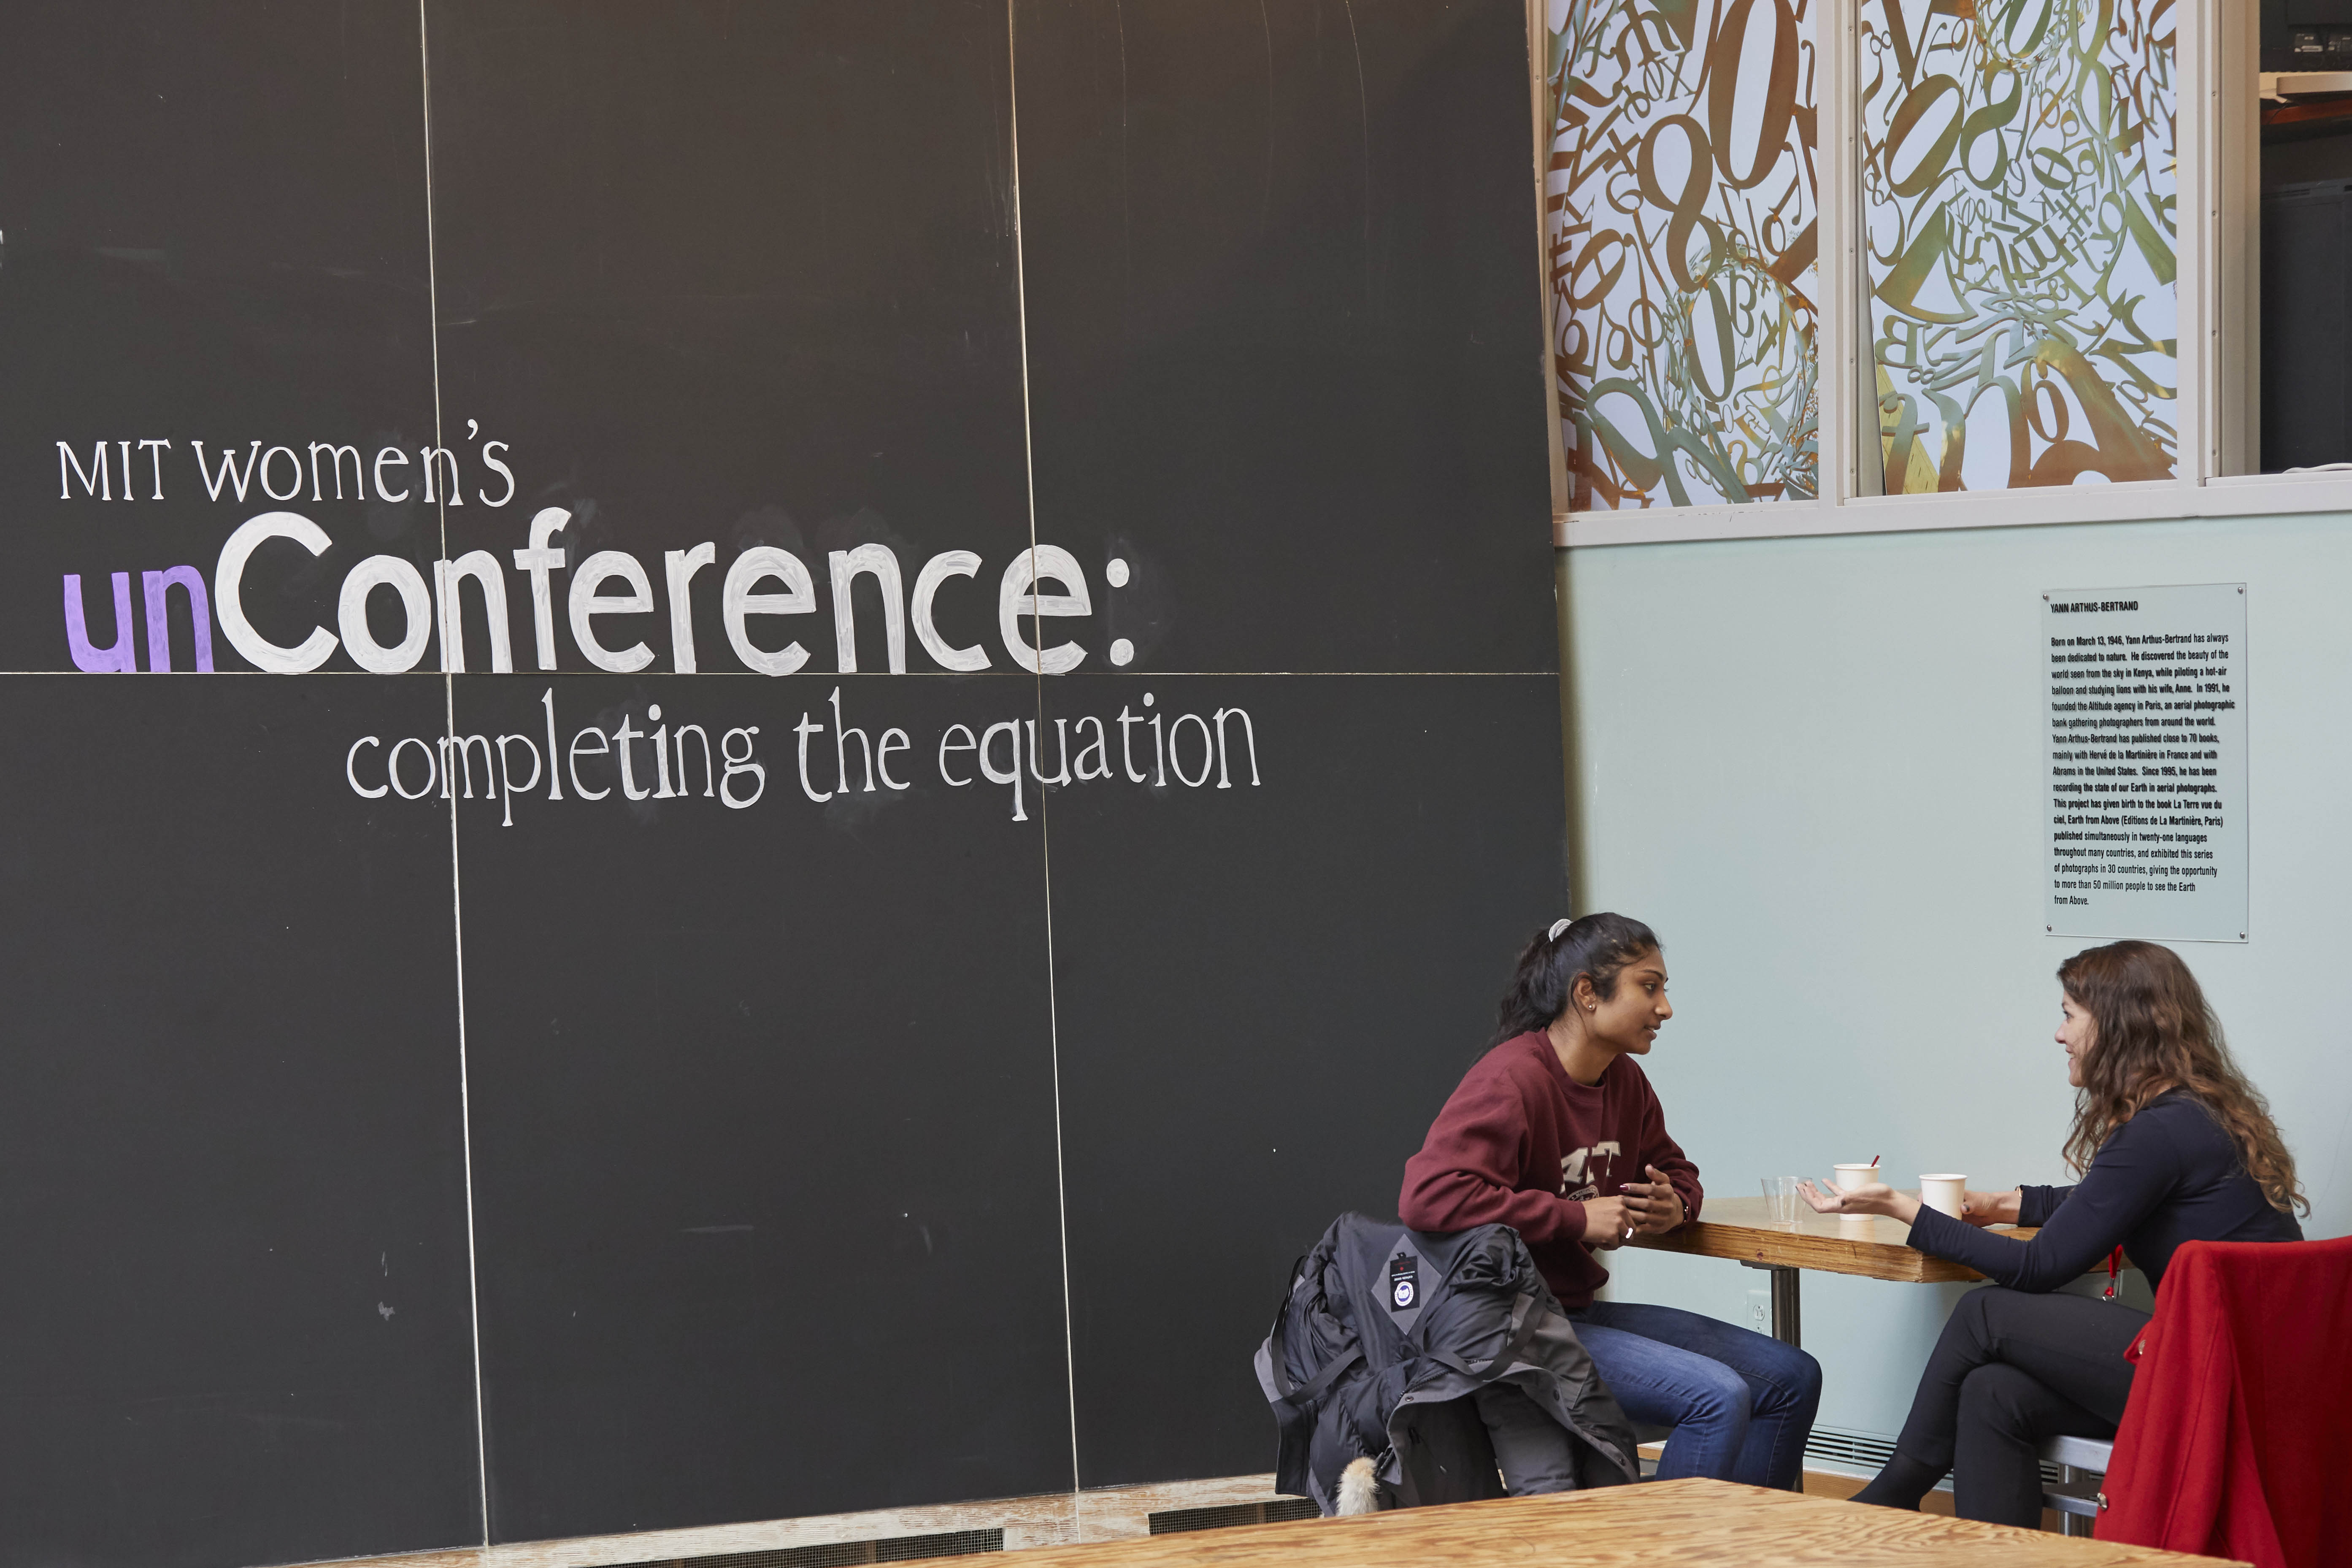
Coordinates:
[1645,1208]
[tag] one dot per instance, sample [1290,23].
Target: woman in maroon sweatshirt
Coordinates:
[1557,1133]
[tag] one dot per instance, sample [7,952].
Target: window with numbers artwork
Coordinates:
[1679,217]
[2018,221]
[2016,228]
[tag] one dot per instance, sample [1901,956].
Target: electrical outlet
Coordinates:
[1759,1309]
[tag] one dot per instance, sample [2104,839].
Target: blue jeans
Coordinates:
[1741,1404]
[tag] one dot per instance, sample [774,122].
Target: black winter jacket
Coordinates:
[1384,1336]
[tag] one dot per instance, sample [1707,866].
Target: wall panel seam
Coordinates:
[1045,846]
[456,889]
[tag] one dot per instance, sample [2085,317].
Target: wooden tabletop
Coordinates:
[1866,1245]
[1686,1523]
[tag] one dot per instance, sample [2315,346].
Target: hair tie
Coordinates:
[1557,927]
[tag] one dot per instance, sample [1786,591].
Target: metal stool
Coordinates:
[2076,1458]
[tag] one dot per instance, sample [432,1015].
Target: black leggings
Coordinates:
[2011,1369]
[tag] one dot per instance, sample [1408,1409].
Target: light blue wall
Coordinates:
[1814,766]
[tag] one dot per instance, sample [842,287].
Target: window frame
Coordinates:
[2217,302]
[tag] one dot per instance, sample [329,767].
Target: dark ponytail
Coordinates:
[1595,946]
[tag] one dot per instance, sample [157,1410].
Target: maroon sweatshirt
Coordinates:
[1522,1143]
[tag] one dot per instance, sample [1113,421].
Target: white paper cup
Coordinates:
[1849,1178]
[1942,1193]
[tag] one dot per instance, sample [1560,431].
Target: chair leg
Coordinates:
[2070,1478]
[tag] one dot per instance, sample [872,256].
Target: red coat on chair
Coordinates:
[2238,1438]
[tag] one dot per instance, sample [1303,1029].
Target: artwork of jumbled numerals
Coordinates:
[2018,191]
[1679,215]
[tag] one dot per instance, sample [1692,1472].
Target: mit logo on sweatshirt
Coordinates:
[1571,1167]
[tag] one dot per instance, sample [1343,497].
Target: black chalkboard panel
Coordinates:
[232,1183]
[763,1101]
[1285,359]
[1284,339]
[212,230]
[1265,991]
[744,275]
[735,273]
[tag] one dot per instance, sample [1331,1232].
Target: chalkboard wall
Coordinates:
[927,717]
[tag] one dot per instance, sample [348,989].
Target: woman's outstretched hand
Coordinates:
[1876,1198]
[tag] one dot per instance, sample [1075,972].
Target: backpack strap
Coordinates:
[1524,1320]
[1296,1395]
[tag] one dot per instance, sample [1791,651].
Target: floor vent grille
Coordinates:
[1868,1453]
[843,1553]
[1179,1520]
[1851,1450]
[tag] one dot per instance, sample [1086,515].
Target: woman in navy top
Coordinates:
[2173,1145]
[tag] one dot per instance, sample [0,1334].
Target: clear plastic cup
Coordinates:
[1781,1200]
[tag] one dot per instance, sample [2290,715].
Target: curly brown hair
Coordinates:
[2153,1032]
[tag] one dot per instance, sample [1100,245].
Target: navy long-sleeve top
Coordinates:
[2169,1175]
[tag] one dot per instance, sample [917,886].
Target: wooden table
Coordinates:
[1866,1245]
[1687,1524]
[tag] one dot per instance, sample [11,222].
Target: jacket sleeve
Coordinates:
[2130,1176]
[1659,1149]
[2036,1204]
[1470,1169]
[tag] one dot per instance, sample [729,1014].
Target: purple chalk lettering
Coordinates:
[99,660]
